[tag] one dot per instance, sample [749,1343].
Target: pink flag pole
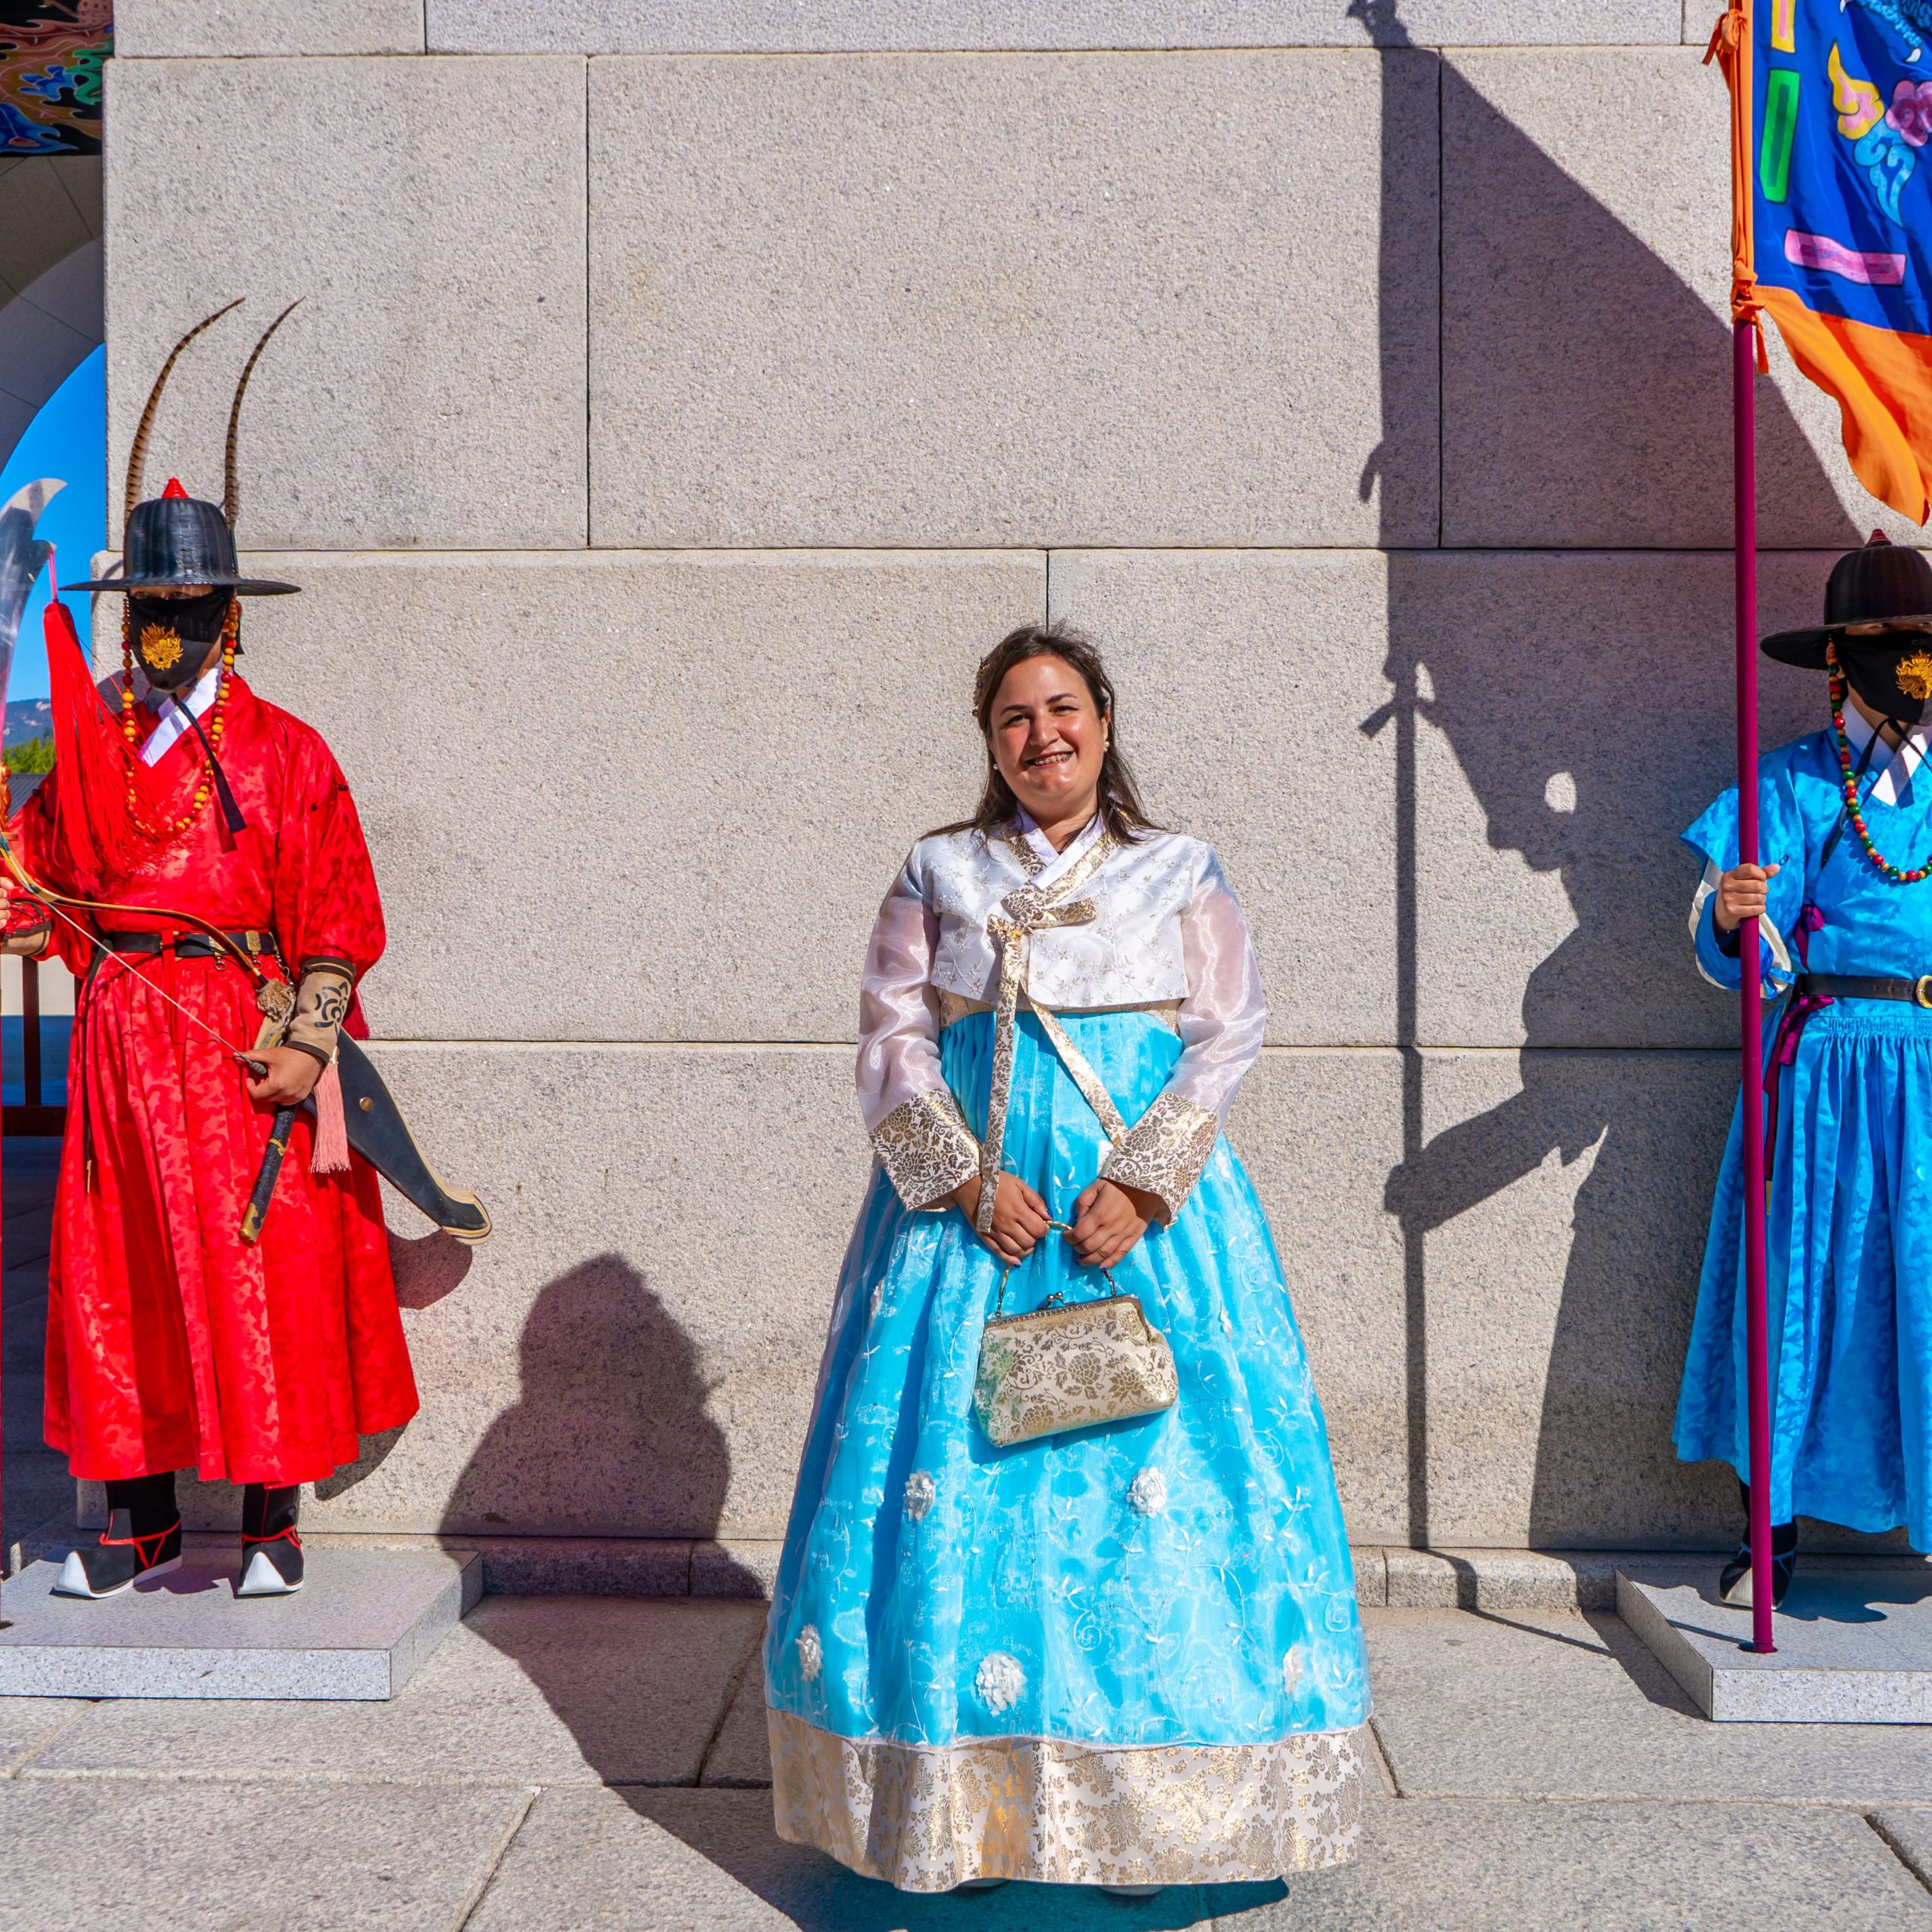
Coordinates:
[1744,484]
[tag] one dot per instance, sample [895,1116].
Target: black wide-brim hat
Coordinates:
[1884,583]
[176,541]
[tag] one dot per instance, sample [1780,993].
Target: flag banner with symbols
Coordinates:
[1832,231]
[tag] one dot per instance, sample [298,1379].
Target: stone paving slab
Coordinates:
[360,1627]
[643,1861]
[1852,1645]
[1479,1705]
[537,1689]
[20,1392]
[26,1724]
[667,1861]
[24,1345]
[1430,1866]
[345,1858]
[741,1754]
[25,1278]
[37,1489]
[1910,1834]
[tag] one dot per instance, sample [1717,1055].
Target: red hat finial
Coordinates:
[1877,536]
[174,488]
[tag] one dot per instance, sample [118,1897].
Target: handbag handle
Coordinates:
[1056,1299]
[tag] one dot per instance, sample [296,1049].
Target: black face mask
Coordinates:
[1893,674]
[171,635]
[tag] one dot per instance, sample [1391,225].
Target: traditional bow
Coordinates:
[46,895]
[1027,910]
[270,1007]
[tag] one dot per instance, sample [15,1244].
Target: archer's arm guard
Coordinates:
[321,1003]
[29,928]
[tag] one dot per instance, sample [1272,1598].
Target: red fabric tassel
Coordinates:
[87,747]
[330,1155]
[100,838]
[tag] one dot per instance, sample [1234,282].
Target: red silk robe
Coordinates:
[170,1344]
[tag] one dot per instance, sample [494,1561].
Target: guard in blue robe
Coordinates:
[1846,938]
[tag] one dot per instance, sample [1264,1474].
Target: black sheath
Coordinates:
[257,1210]
[378,1133]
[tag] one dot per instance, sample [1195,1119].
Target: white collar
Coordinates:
[1901,768]
[1054,863]
[173,725]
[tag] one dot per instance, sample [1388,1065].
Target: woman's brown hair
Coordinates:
[1119,802]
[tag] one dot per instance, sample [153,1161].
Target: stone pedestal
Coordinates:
[1853,1642]
[358,1629]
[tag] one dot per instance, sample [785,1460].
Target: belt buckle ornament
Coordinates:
[1921,990]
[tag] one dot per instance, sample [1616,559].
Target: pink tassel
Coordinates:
[331,1153]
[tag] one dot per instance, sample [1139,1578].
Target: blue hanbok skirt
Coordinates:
[1849,1275]
[1128,1654]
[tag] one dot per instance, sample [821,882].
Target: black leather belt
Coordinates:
[192,946]
[1850,985]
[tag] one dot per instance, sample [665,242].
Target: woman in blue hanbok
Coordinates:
[1126,1654]
[1845,924]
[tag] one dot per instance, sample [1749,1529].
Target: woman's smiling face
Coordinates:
[1048,737]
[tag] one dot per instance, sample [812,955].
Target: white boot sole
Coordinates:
[262,1578]
[74,1578]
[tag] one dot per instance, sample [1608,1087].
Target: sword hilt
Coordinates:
[257,1211]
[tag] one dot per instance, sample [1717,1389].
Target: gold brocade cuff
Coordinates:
[927,1149]
[1164,1152]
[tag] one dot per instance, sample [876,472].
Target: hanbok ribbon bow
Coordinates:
[1027,909]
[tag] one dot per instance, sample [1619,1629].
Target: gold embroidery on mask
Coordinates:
[161,647]
[1915,676]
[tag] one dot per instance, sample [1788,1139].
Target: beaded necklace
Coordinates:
[1850,780]
[166,835]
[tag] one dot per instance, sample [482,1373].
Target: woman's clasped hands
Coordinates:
[1107,1219]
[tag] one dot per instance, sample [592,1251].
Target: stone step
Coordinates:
[745,1567]
[1853,1643]
[359,1630]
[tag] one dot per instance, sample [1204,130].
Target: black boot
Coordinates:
[271,1551]
[1734,1579]
[143,1539]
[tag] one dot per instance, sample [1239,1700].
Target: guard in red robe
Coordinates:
[199,866]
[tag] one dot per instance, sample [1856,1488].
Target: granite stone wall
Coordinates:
[686,393]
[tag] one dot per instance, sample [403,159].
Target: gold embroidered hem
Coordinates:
[1165,1151]
[926,1149]
[927,1819]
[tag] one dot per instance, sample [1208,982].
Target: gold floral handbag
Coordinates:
[1070,1364]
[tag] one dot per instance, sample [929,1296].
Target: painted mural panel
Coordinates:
[51,56]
